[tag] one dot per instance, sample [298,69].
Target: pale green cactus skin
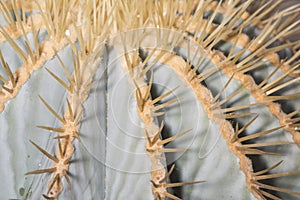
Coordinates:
[110,160]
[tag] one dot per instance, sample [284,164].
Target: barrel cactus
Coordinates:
[149,99]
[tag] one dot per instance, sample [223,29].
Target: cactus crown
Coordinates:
[179,98]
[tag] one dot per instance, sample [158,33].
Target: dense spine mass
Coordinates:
[197,40]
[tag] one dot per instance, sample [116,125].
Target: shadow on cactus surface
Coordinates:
[149,99]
